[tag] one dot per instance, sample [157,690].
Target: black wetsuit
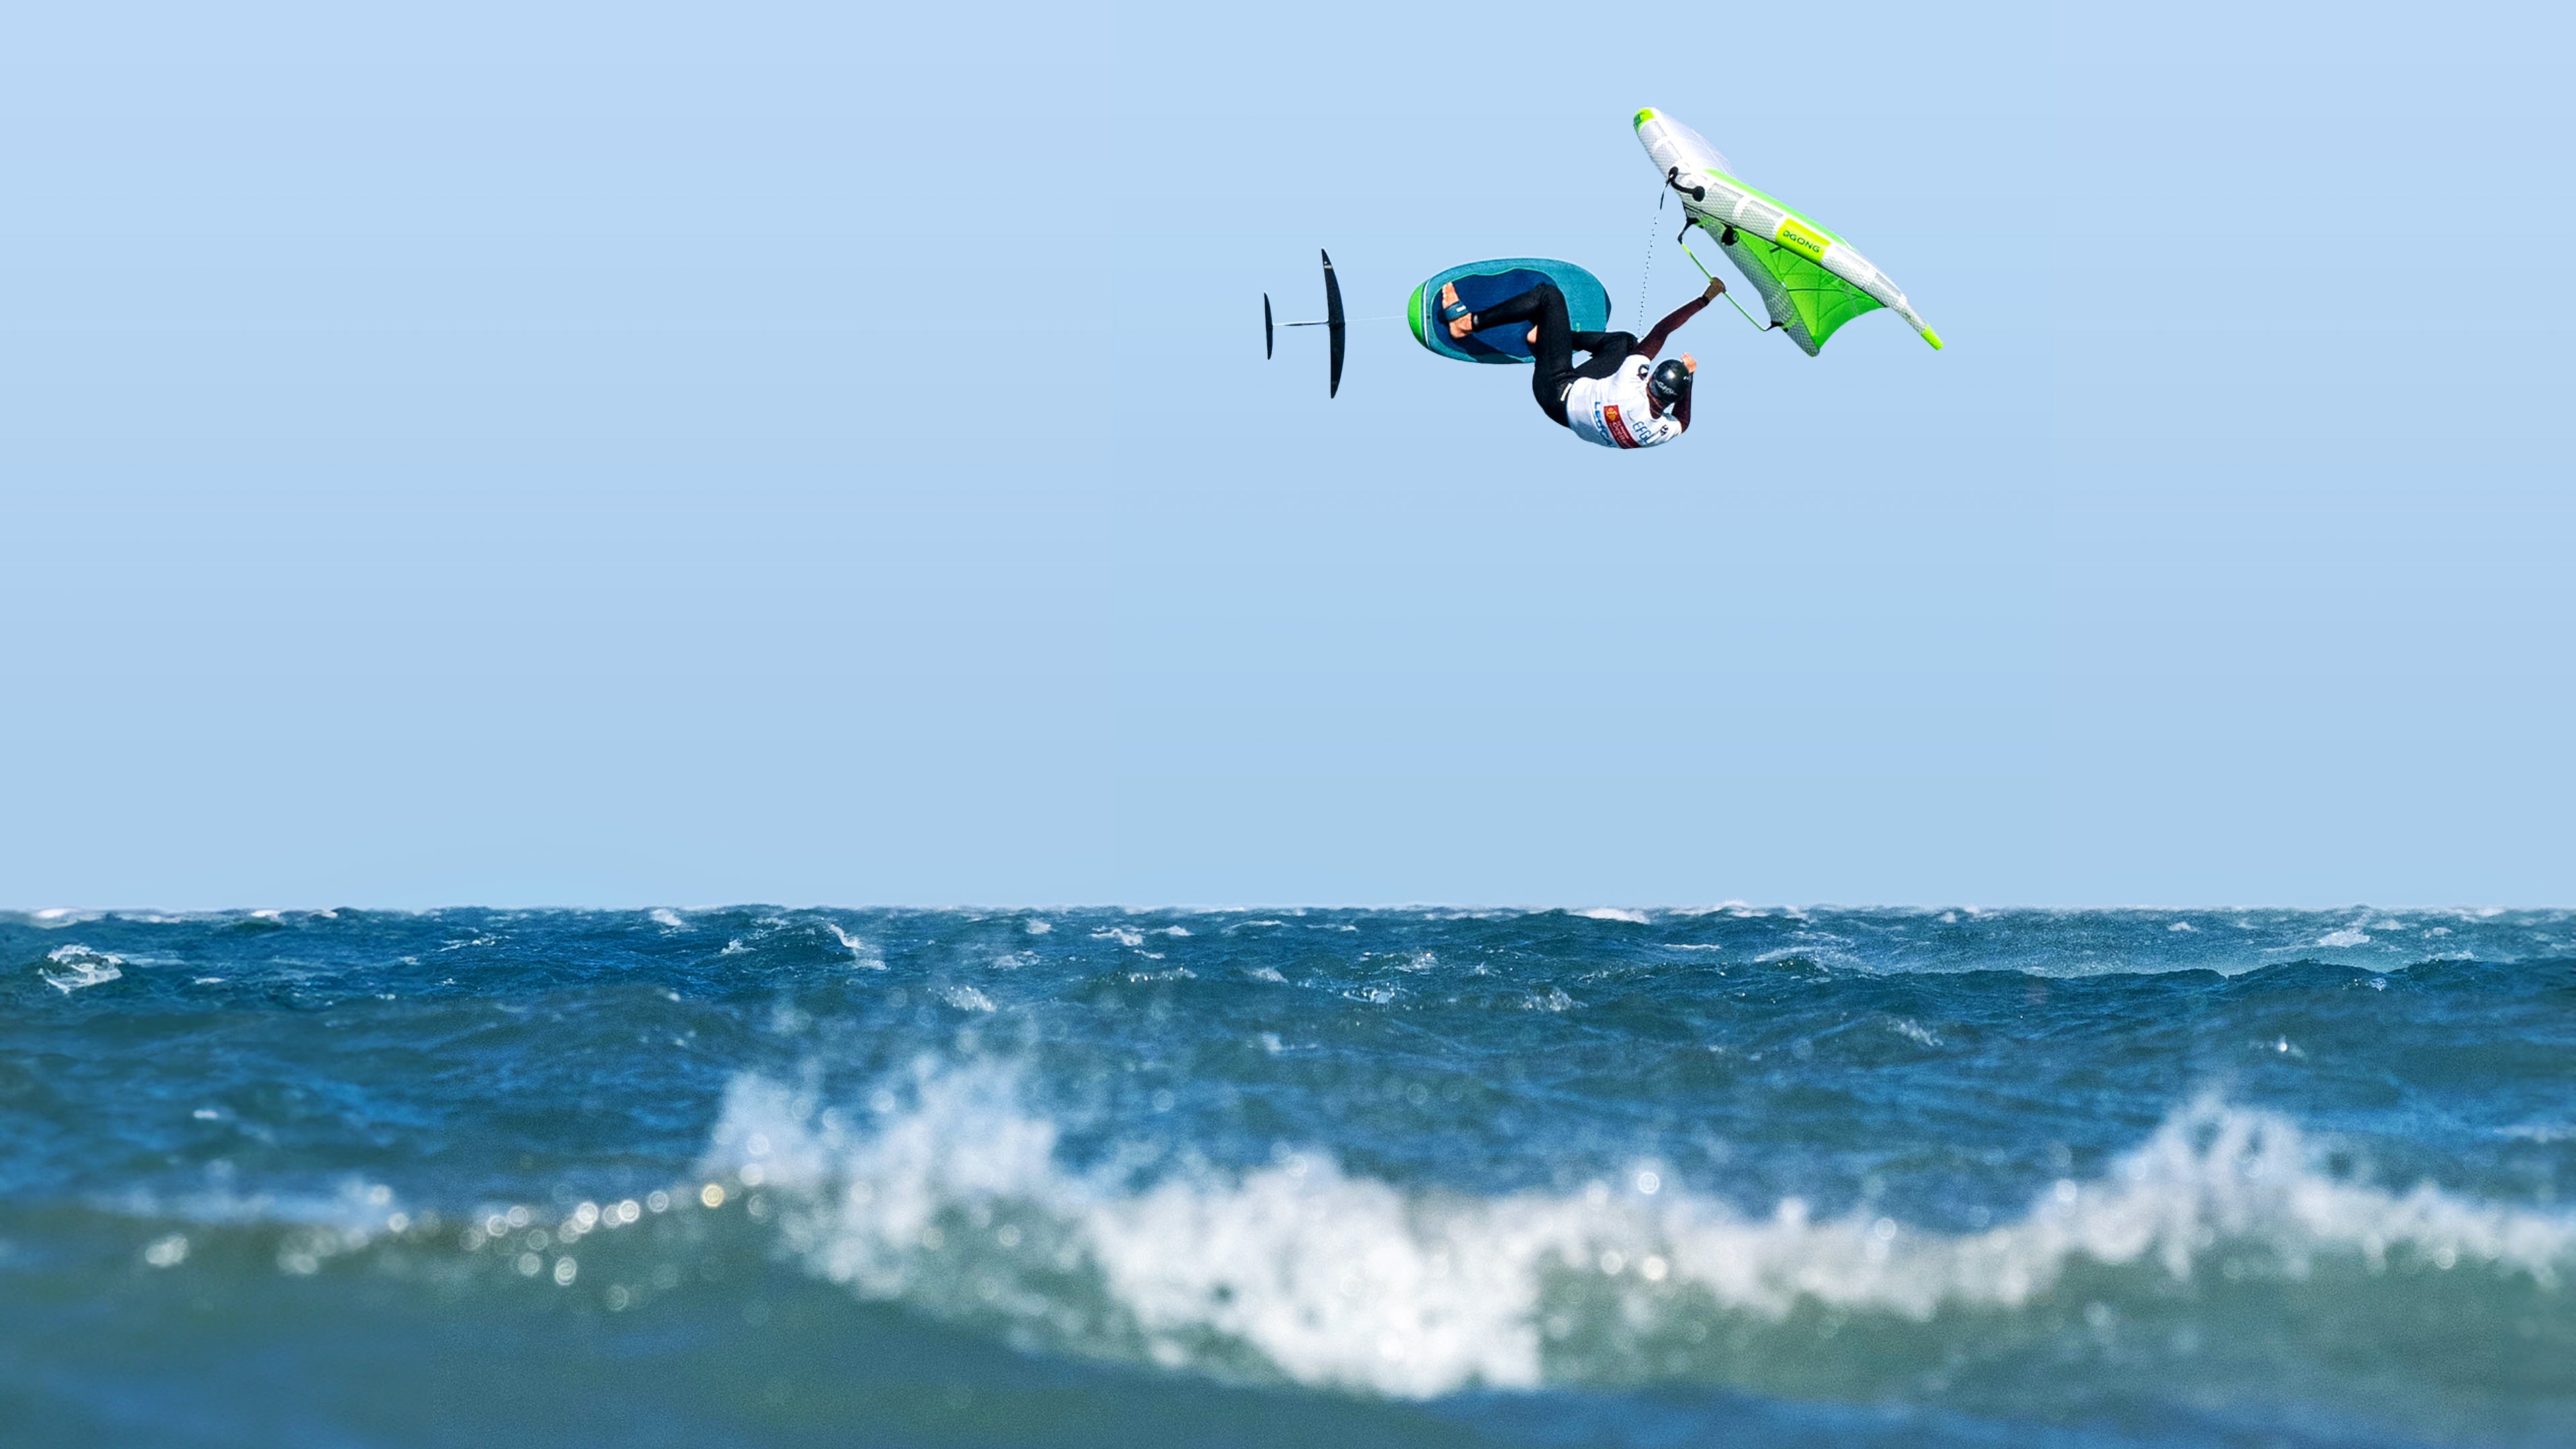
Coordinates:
[1558,342]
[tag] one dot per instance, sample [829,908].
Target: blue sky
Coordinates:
[538,460]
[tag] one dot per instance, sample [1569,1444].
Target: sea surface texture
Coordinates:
[761,1176]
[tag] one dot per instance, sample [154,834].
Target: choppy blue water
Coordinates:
[758,1177]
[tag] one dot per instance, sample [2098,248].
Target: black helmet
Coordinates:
[1670,383]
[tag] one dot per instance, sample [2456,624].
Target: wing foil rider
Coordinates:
[1620,397]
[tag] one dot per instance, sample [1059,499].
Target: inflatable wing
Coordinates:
[1810,279]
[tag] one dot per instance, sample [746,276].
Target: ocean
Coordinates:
[1732,1175]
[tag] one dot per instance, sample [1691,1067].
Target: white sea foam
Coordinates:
[665,917]
[966,998]
[1613,913]
[1338,1279]
[1814,948]
[80,967]
[2348,936]
[860,951]
[1742,910]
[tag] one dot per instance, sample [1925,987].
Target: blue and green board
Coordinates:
[1486,284]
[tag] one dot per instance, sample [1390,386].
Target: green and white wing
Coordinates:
[1806,301]
[1810,280]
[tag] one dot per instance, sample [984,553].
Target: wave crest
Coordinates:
[79,966]
[950,1196]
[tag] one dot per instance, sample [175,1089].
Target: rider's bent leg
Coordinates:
[1608,349]
[1554,349]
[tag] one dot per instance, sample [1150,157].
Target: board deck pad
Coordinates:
[1487,284]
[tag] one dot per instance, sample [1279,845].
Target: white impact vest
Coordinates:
[1612,411]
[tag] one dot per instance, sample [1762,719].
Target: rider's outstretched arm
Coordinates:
[1664,330]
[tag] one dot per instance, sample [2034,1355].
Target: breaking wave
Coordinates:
[76,966]
[948,1194]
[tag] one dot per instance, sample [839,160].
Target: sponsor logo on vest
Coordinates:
[1618,430]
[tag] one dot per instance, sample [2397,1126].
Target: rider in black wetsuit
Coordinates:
[1553,342]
